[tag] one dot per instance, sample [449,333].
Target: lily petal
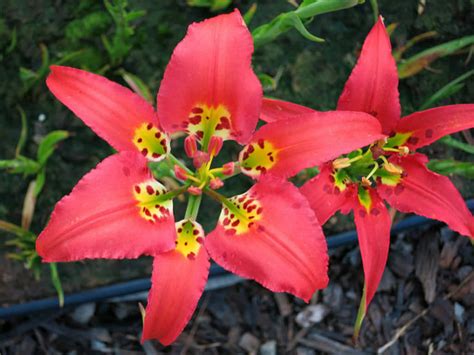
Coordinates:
[209,87]
[324,197]
[103,217]
[270,234]
[373,84]
[275,110]
[373,230]
[427,126]
[119,116]
[285,147]
[178,281]
[428,194]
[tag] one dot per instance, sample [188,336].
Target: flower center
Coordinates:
[240,214]
[257,158]
[152,206]
[151,142]
[190,238]
[207,121]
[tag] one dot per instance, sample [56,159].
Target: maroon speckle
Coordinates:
[197,110]
[250,149]
[199,240]
[149,126]
[375,212]
[413,140]
[429,133]
[158,135]
[231,231]
[362,213]
[195,119]
[180,230]
[399,189]
[195,232]
[373,113]
[145,151]
[139,140]
[235,223]
[137,189]
[226,221]
[337,191]
[261,143]
[191,256]
[150,190]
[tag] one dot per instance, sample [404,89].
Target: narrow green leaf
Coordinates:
[40,180]
[452,167]
[23,132]
[446,91]
[248,16]
[20,165]
[137,85]
[57,283]
[48,144]
[452,142]
[418,62]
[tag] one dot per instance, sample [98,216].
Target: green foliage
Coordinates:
[214,5]
[88,26]
[121,43]
[298,19]
[418,62]
[452,167]
[446,91]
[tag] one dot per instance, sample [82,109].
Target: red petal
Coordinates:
[428,194]
[430,125]
[275,110]
[373,231]
[324,197]
[373,84]
[282,246]
[110,110]
[306,141]
[211,66]
[177,285]
[100,217]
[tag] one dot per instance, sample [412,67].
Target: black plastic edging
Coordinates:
[140,285]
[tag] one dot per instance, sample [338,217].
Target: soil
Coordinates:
[311,74]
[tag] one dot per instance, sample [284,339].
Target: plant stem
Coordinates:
[192,210]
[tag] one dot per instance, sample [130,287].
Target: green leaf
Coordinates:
[57,283]
[248,16]
[294,19]
[20,165]
[23,133]
[452,167]
[48,145]
[452,142]
[446,91]
[418,62]
[137,85]
[40,180]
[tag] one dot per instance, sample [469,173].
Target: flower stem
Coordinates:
[192,209]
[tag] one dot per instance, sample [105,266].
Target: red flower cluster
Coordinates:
[271,233]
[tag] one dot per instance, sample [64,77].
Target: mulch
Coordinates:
[423,306]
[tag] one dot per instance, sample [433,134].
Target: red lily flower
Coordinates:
[390,169]
[269,233]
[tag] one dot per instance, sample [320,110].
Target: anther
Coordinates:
[215,145]
[193,190]
[365,182]
[180,173]
[392,168]
[200,158]
[190,146]
[341,163]
[228,168]
[216,183]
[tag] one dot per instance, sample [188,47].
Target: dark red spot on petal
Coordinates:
[195,232]
[375,212]
[235,223]
[150,190]
[145,151]
[199,240]
[362,213]
[191,256]
[261,143]
[137,189]
[197,110]
[413,140]
[155,155]
[139,140]
[149,126]
[429,133]
[399,189]
[158,135]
